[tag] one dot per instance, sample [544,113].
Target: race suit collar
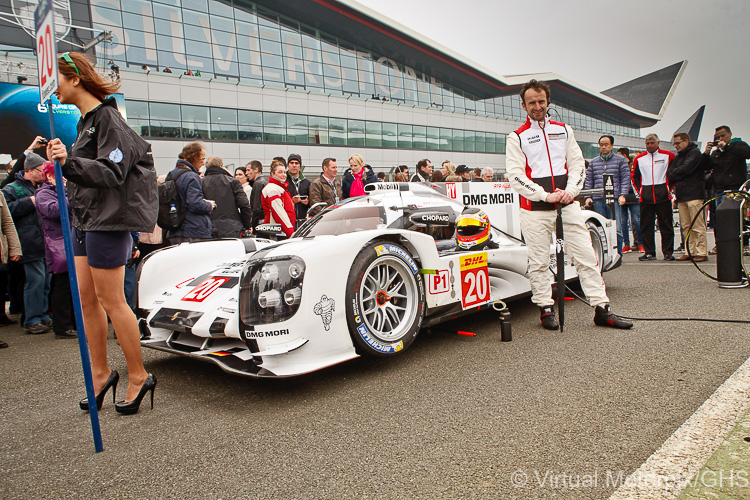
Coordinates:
[536,124]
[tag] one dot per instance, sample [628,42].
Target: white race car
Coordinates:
[360,278]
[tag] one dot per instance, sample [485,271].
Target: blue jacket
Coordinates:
[197,223]
[615,165]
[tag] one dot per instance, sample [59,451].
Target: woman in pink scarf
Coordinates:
[357,177]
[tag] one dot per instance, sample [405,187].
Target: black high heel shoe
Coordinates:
[112,381]
[131,407]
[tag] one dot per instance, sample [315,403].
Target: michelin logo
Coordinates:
[383,249]
[362,329]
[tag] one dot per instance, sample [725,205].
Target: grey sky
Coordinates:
[600,44]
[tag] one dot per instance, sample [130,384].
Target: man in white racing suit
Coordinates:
[546,167]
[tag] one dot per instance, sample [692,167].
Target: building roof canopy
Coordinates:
[368,29]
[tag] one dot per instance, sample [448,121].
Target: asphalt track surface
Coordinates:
[570,414]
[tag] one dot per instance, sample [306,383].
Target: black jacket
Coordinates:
[729,169]
[685,174]
[197,223]
[232,212]
[302,188]
[28,225]
[368,177]
[256,200]
[420,176]
[111,177]
[17,167]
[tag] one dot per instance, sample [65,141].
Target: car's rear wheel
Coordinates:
[384,300]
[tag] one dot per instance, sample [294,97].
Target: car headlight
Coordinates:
[271,289]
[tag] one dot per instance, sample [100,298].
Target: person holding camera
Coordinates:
[725,157]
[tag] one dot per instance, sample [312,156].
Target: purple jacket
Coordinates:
[49,212]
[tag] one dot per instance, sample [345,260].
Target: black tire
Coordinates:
[596,242]
[384,300]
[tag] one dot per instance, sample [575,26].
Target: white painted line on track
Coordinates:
[672,467]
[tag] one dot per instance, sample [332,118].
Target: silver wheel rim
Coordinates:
[596,242]
[388,298]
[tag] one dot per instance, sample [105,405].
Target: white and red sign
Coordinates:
[475,280]
[46,51]
[439,282]
[203,290]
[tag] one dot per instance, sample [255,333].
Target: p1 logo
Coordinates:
[438,283]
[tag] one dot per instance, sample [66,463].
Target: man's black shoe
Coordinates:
[3,345]
[647,256]
[548,318]
[67,334]
[603,316]
[669,257]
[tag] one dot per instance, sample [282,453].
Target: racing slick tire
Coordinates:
[384,300]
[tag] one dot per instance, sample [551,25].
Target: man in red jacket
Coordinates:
[650,179]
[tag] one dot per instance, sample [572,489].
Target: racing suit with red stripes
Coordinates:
[278,207]
[650,181]
[542,157]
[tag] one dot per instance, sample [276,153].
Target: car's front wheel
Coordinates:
[384,300]
[597,243]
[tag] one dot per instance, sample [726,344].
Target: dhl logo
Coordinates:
[474,261]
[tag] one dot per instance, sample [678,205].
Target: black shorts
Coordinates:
[103,249]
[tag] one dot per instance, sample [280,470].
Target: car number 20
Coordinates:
[203,290]
[475,281]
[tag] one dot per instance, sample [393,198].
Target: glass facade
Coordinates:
[241,41]
[156,120]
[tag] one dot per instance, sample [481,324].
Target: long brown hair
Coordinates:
[90,78]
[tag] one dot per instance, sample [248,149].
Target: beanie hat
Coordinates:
[33,161]
[294,156]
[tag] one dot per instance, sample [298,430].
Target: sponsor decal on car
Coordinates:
[385,186]
[475,279]
[271,333]
[325,309]
[205,289]
[376,344]
[384,249]
[487,199]
[438,282]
